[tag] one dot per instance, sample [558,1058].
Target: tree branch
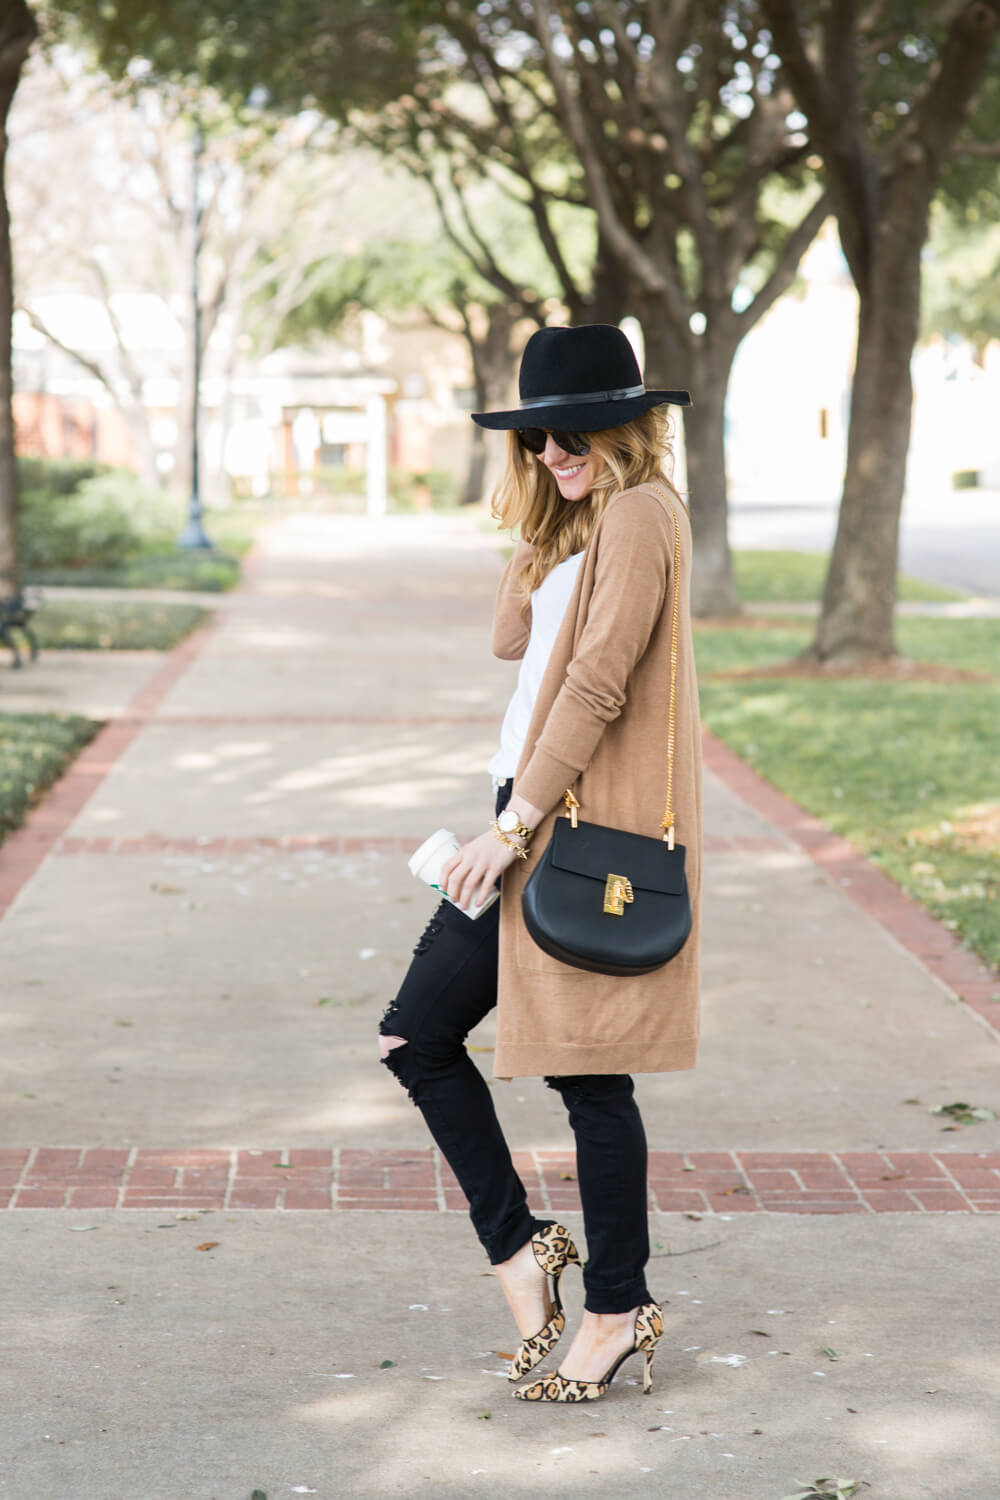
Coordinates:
[624,246]
[940,113]
[538,201]
[132,376]
[787,264]
[90,365]
[838,138]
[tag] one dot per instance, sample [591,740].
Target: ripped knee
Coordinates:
[396,1054]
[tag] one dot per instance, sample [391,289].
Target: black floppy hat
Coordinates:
[580,380]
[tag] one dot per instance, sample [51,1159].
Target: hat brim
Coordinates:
[584,416]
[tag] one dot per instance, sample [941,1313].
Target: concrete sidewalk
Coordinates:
[197,967]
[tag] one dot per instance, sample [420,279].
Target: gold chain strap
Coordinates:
[667,821]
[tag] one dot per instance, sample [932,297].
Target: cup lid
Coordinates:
[429,847]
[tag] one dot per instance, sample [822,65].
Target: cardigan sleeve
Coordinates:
[633,564]
[510,628]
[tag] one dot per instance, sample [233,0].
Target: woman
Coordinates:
[586,605]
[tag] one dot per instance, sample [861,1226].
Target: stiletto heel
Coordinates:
[648,1332]
[554,1251]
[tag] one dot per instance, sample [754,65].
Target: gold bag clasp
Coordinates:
[617,891]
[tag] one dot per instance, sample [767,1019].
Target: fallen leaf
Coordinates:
[567,1176]
[830,1353]
[81,1228]
[207,1245]
[964,1114]
[478,1049]
[388,1364]
[485,1416]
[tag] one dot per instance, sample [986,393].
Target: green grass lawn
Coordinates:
[798,577]
[35,749]
[166,568]
[902,769]
[117,625]
[793,577]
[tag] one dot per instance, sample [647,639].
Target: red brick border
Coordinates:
[929,940]
[698,1182]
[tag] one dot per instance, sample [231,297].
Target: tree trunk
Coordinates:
[17,31]
[670,365]
[608,299]
[492,363]
[713,591]
[141,433]
[475,474]
[857,615]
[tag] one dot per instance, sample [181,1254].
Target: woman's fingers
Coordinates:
[469,875]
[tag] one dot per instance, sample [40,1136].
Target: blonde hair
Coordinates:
[528,496]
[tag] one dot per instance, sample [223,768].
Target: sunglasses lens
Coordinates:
[535,438]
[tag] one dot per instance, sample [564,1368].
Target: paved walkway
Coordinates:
[202,924]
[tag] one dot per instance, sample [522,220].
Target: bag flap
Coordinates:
[597,852]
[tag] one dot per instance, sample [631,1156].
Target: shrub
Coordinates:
[83,515]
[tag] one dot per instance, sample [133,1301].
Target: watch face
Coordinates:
[508,821]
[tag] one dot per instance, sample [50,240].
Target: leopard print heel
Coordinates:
[648,1332]
[554,1251]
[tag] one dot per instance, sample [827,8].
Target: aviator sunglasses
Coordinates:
[534,439]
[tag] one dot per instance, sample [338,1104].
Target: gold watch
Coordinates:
[509,823]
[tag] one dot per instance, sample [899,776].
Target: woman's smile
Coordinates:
[574,476]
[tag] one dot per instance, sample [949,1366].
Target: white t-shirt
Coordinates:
[548,607]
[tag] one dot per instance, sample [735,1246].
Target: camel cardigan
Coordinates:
[600,726]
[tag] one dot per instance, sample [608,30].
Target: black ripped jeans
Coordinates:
[450,986]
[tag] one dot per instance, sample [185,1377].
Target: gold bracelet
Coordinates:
[518,849]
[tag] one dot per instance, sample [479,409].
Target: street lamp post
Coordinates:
[193,534]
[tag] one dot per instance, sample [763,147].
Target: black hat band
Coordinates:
[625,394]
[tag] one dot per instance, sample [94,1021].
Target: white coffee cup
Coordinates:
[426,862]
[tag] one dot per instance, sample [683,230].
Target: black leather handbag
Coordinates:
[609,901]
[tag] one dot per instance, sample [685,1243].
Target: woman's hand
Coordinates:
[469,876]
